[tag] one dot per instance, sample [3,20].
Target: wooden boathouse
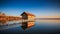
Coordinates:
[30,19]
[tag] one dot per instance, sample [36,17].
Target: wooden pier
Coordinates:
[4,18]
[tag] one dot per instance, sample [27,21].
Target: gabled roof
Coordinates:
[27,13]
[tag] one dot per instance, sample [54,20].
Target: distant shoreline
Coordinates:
[47,18]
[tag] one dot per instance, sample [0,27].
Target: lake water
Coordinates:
[40,27]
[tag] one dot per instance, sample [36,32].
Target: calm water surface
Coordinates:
[42,27]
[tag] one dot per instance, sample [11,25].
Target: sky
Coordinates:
[40,8]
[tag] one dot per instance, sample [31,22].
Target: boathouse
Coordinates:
[27,16]
[30,19]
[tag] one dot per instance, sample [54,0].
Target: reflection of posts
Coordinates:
[26,25]
[3,22]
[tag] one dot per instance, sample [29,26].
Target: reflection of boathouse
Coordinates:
[25,26]
[27,16]
[30,19]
